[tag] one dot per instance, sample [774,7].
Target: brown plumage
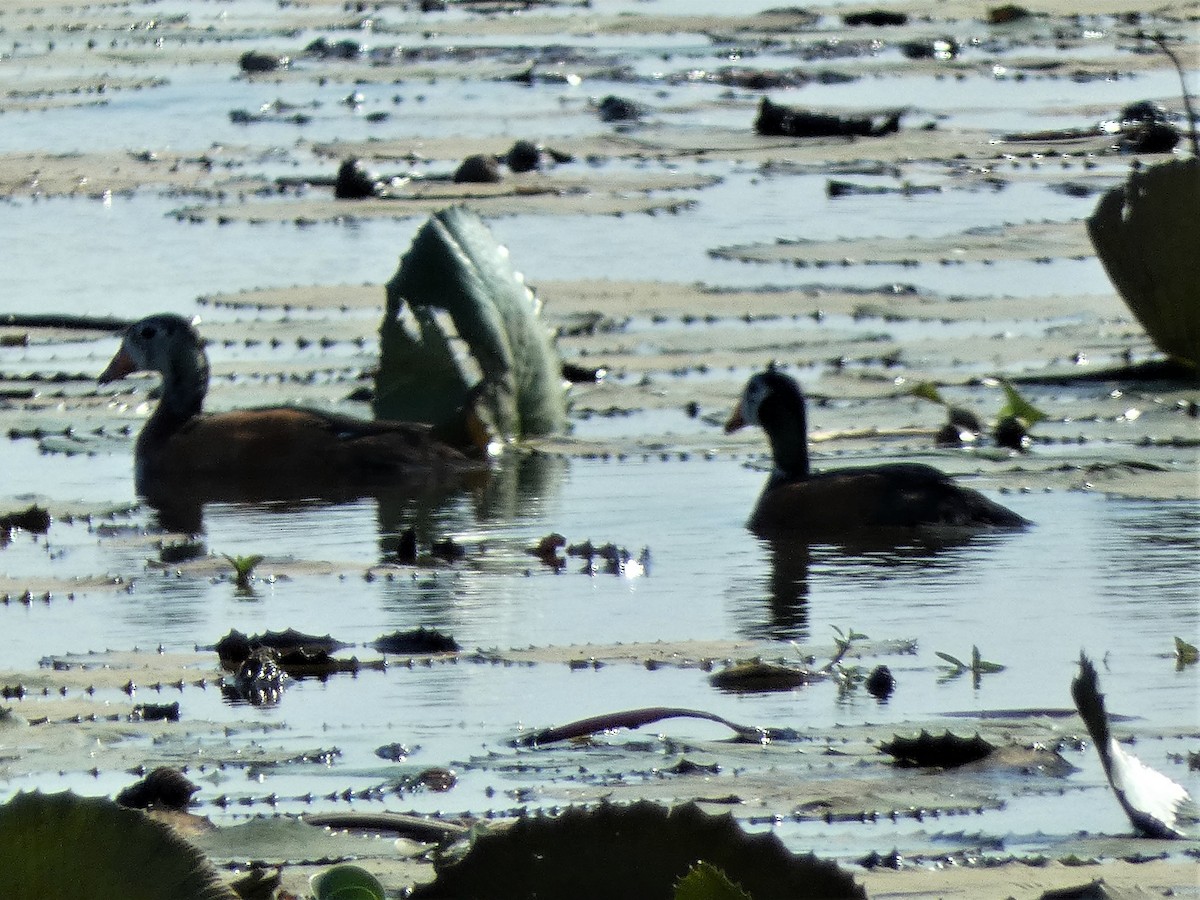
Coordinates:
[284,446]
[890,496]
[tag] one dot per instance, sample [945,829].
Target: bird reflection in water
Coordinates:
[790,582]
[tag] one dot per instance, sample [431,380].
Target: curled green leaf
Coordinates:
[927,390]
[346,882]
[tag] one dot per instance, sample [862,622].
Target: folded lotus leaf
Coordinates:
[63,845]
[456,265]
[640,850]
[419,377]
[1146,233]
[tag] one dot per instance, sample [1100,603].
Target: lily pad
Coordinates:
[64,845]
[946,752]
[640,850]
[707,882]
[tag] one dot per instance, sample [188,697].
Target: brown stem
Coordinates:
[630,718]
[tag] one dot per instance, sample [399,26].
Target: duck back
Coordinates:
[279,441]
[898,495]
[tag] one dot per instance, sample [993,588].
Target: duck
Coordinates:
[889,496]
[283,447]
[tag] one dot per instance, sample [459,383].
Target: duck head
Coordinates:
[774,402]
[170,345]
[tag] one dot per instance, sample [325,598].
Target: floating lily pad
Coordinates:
[949,751]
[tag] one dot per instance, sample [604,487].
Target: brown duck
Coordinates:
[283,445]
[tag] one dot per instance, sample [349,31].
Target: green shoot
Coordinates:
[243,568]
[978,666]
[1017,407]
[1185,654]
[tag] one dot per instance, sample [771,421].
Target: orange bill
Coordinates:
[120,366]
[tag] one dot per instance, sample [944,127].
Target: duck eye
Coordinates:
[147,332]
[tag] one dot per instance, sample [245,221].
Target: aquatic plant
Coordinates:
[64,845]
[346,882]
[1013,420]
[978,666]
[1017,407]
[1145,232]
[243,568]
[706,882]
[1185,654]
[638,850]
[455,266]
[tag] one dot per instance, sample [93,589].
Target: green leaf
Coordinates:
[456,265]
[346,882]
[64,845]
[1018,407]
[1186,653]
[706,882]
[635,850]
[979,664]
[927,390]
[1145,232]
[953,660]
[243,567]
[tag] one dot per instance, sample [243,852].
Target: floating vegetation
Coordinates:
[418,642]
[243,568]
[111,852]
[162,788]
[706,882]
[346,882]
[945,752]
[755,675]
[640,850]
[1146,233]
[978,666]
[455,265]
[636,718]
[33,519]
[236,647]
[1185,654]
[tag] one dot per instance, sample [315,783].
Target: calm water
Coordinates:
[1115,577]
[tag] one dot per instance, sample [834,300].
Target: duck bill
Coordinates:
[120,366]
[735,421]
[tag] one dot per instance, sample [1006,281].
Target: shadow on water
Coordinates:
[878,556]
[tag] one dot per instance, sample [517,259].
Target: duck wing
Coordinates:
[1153,802]
[269,442]
[894,496]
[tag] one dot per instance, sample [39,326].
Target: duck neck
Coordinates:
[787,430]
[184,384]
